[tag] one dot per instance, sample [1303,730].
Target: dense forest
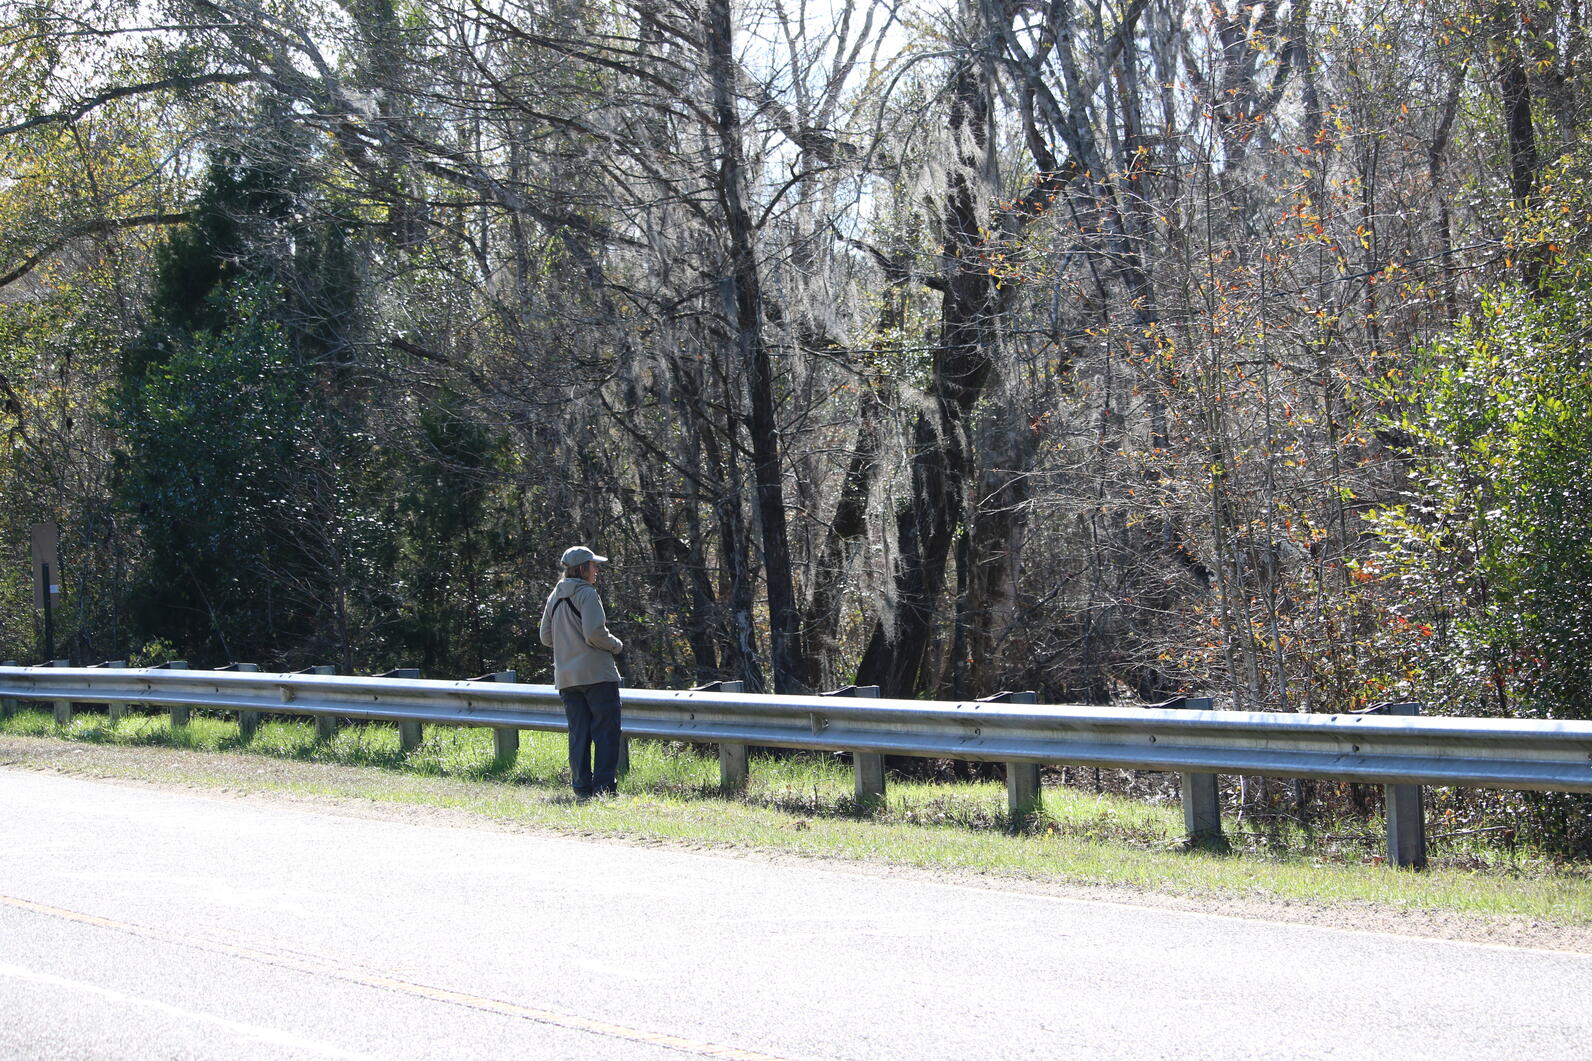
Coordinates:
[1113,351]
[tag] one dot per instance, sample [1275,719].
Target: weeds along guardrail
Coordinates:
[1392,746]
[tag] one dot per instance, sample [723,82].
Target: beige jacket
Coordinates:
[577,632]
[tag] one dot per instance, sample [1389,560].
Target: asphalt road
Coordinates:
[137,923]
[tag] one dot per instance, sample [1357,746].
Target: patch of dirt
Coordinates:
[258,778]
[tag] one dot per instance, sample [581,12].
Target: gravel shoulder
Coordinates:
[324,788]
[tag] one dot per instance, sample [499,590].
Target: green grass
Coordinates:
[802,804]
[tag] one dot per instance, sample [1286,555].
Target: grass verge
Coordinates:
[801,805]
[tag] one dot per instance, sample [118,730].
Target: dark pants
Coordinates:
[593,713]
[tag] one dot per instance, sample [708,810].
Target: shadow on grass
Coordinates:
[157,736]
[944,811]
[501,768]
[1205,845]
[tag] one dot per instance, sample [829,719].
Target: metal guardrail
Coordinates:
[1183,736]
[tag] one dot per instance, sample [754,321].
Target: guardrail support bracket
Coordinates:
[1022,791]
[868,778]
[179,715]
[505,744]
[1406,813]
[248,721]
[63,708]
[505,739]
[734,767]
[867,768]
[1202,809]
[409,733]
[116,709]
[325,725]
[1202,805]
[734,764]
[8,705]
[1023,798]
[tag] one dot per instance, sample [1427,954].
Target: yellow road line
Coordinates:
[323,967]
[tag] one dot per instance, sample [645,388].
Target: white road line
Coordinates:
[273,1036]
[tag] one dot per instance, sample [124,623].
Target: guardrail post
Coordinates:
[623,766]
[63,708]
[1202,805]
[505,739]
[8,705]
[734,767]
[1406,811]
[410,734]
[179,715]
[248,721]
[116,708]
[867,768]
[1022,779]
[325,725]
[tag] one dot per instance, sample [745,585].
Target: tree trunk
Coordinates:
[941,449]
[821,621]
[736,630]
[995,533]
[1515,96]
[744,306]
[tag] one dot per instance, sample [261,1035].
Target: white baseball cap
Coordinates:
[577,555]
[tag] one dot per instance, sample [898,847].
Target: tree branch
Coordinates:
[91,103]
[111,224]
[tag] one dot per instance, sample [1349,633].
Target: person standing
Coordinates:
[575,627]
